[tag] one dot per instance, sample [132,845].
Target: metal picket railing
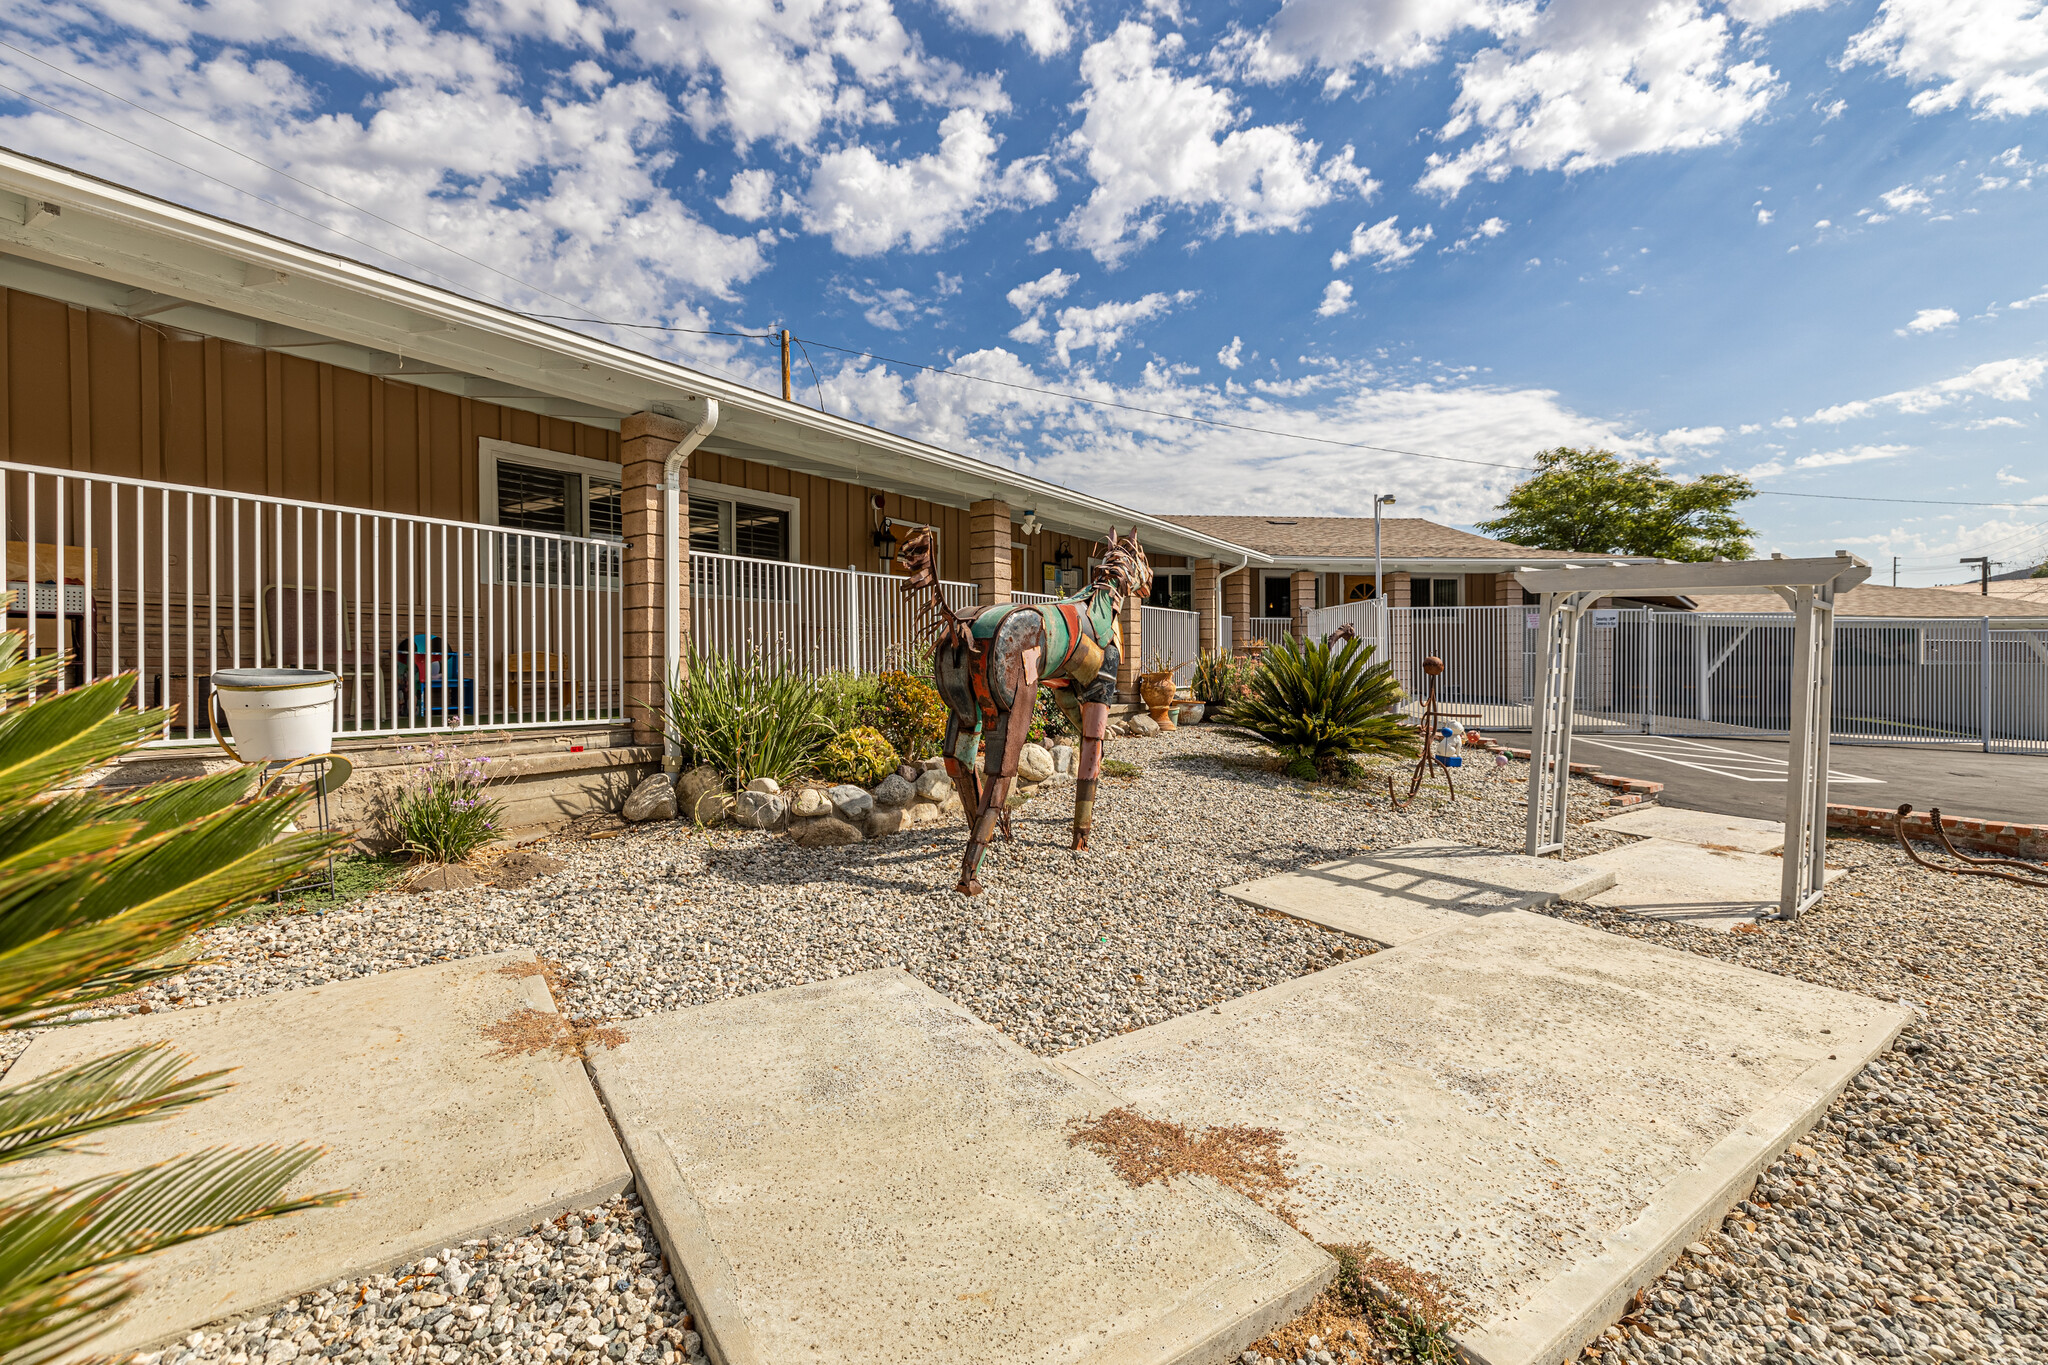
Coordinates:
[1977,681]
[1173,635]
[810,619]
[1268,630]
[429,624]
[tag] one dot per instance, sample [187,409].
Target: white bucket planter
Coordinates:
[275,714]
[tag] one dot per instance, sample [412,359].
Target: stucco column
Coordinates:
[1237,605]
[1131,656]
[1301,597]
[988,550]
[646,438]
[1205,604]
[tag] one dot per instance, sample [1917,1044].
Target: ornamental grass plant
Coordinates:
[446,811]
[748,717]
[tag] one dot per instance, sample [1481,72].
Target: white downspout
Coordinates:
[672,567]
[1242,564]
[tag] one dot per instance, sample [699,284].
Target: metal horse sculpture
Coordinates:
[989,669]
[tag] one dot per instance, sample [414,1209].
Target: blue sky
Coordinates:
[1803,241]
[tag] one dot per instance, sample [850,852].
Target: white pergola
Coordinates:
[1809,586]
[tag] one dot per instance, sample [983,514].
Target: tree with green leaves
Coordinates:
[1597,502]
[98,890]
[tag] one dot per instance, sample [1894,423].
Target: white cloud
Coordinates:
[1770,11]
[1987,423]
[2030,300]
[1030,299]
[1152,140]
[566,194]
[1336,299]
[1832,110]
[869,205]
[1100,328]
[751,195]
[1989,54]
[1585,84]
[1383,244]
[1042,24]
[1168,466]
[1339,36]
[1231,356]
[2002,381]
[1764,216]
[1492,227]
[1691,438]
[2005,475]
[1929,320]
[1830,459]
[1903,198]
[886,308]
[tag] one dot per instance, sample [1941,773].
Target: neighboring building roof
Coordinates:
[1874,599]
[1325,538]
[2012,590]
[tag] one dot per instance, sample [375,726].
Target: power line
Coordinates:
[1068,395]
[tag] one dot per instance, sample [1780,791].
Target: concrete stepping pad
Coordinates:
[442,1138]
[1713,888]
[860,1169]
[1542,1113]
[1403,893]
[1733,833]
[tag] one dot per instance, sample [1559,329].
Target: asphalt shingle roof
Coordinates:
[1351,538]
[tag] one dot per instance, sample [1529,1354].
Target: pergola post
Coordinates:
[1809,586]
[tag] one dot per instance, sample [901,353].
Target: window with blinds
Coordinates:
[603,510]
[726,526]
[534,499]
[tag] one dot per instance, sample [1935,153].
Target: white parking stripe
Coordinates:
[1711,758]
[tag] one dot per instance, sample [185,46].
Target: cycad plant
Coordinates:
[1320,702]
[97,892]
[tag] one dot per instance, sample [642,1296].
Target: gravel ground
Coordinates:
[1909,1223]
[1060,950]
[589,1284]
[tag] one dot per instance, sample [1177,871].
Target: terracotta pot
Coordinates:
[1157,689]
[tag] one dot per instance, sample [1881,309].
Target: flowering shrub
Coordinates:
[1222,680]
[445,813]
[860,756]
[912,715]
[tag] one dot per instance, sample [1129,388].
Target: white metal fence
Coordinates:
[1268,630]
[429,624]
[1362,617]
[807,618]
[1981,682]
[1175,635]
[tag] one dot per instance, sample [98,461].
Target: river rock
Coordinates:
[766,785]
[934,786]
[809,802]
[1063,758]
[1142,726]
[892,791]
[883,821]
[1034,764]
[753,809]
[693,790]
[653,799]
[851,802]
[827,831]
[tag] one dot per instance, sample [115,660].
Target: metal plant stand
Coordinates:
[324,773]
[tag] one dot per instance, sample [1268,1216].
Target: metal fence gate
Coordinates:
[1976,681]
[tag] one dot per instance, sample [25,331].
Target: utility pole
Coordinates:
[1983,563]
[1895,571]
[788,395]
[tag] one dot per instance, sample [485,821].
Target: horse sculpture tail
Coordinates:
[935,618]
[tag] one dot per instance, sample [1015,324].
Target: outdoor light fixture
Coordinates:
[1064,559]
[1029,526]
[885,544]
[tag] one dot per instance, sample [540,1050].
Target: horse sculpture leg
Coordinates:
[1094,726]
[999,756]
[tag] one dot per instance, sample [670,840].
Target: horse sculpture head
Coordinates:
[1124,565]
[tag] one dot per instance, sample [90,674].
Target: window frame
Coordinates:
[491,450]
[732,493]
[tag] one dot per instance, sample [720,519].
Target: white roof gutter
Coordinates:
[77,222]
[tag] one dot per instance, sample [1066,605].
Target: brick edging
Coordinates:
[1989,836]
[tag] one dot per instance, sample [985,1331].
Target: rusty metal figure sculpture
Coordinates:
[1975,867]
[988,669]
[1432,722]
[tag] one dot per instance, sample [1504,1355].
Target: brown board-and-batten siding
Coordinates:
[100,393]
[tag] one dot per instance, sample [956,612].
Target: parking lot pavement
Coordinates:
[1747,777]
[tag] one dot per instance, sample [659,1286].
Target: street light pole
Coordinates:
[1379,577]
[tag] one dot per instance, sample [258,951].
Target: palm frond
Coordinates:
[60,737]
[57,1112]
[62,1240]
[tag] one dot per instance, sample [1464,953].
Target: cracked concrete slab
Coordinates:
[861,1168]
[1734,833]
[1713,888]
[1402,893]
[1542,1113]
[440,1137]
